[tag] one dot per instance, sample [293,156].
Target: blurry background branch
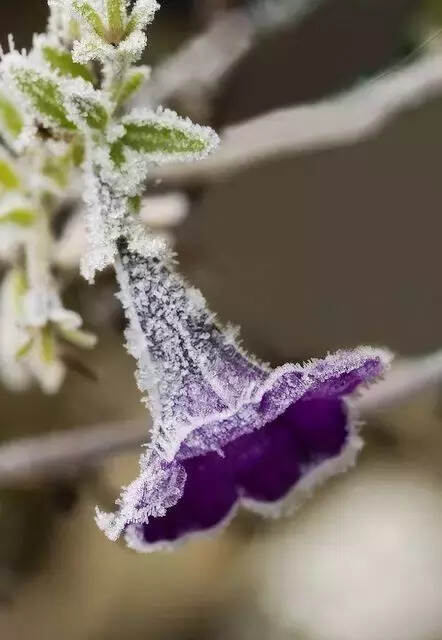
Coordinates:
[201,63]
[56,454]
[342,120]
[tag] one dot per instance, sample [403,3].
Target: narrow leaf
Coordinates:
[142,14]
[117,153]
[44,95]
[19,216]
[157,138]
[48,344]
[115,19]
[90,16]
[10,118]
[128,88]
[24,349]
[162,137]
[9,179]
[62,62]
[90,111]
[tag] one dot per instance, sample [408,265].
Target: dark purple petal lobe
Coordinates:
[209,495]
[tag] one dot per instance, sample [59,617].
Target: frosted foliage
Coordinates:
[24,317]
[12,336]
[108,191]
[196,143]
[192,371]
[98,38]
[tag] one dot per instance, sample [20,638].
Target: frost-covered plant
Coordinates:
[227,429]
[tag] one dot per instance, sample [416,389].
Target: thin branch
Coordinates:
[340,121]
[201,63]
[56,454]
[63,453]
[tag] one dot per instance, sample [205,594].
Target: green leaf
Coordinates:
[115,19]
[162,137]
[78,152]
[44,95]
[141,15]
[90,16]
[61,61]
[129,87]
[10,118]
[135,203]
[48,344]
[24,349]
[19,216]
[117,153]
[153,138]
[9,179]
[90,111]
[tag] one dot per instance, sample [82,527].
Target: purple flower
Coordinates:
[228,431]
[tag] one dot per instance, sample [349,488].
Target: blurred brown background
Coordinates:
[330,249]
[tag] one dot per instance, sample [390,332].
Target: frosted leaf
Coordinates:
[13,373]
[162,136]
[60,61]
[40,88]
[89,16]
[16,210]
[87,108]
[116,17]
[142,14]
[133,81]
[132,47]
[10,179]
[15,124]
[150,138]
[43,305]
[109,33]
[29,320]
[92,48]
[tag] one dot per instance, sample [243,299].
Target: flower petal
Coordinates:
[208,498]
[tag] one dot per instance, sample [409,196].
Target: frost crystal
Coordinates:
[227,430]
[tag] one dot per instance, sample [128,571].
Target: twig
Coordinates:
[199,66]
[63,453]
[343,120]
[56,454]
